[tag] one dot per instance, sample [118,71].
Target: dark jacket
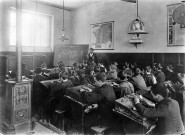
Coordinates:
[105,98]
[92,58]
[104,92]
[160,77]
[168,113]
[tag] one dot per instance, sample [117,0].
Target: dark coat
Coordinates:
[92,58]
[105,98]
[168,113]
[160,77]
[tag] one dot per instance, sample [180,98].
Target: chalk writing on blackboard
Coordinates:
[70,53]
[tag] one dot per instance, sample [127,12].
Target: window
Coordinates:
[36,28]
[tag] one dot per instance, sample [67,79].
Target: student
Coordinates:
[138,80]
[125,86]
[60,68]
[25,71]
[167,111]
[160,76]
[112,73]
[75,78]
[149,77]
[105,96]
[127,69]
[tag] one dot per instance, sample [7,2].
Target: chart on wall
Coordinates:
[176,31]
[102,35]
[70,54]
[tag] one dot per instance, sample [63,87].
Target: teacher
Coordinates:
[91,57]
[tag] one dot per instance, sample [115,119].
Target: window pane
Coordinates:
[12,35]
[36,29]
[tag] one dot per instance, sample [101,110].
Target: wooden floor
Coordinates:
[37,130]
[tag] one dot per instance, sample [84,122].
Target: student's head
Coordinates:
[63,75]
[61,66]
[38,70]
[101,77]
[159,92]
[122,75]
[148,69]
[24,65]
[96,69]
[137,71]
[91,50]
[159,66]
[44,65]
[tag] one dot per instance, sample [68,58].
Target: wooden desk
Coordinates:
[78,104]
[46,83]
[125,109]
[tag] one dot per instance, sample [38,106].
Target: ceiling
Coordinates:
[69,4]
[74,4]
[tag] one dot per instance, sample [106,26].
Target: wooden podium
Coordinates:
[18,106]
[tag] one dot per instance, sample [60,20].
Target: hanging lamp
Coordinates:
[62,31]
[136,28]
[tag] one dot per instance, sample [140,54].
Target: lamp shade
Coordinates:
[136,40]
[137,27]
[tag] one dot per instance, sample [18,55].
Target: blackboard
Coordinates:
[69,54]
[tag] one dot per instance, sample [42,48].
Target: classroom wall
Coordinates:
[29,5]
[152,12]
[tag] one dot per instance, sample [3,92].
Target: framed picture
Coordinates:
[176,31]
[102,35]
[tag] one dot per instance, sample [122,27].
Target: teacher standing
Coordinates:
[91,57]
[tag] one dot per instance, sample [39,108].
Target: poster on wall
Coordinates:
[176,31]
[102,35]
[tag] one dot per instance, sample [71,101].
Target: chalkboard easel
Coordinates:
[69,54]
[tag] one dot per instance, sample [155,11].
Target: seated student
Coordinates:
[167,111]
[89,76]
[138,81]
[75,78]
[38,93]
[60,68]
[168,72]
[11,74]
[81,74]
[104,95]
[126,87]
[75,67]
[45,71]
[112,74]
[102,67]
[65,82]
[149,77]
[127,69]
[179,76]
[25,71]
[160,76]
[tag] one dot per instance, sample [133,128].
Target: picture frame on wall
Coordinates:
[175,31]
[102,35]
